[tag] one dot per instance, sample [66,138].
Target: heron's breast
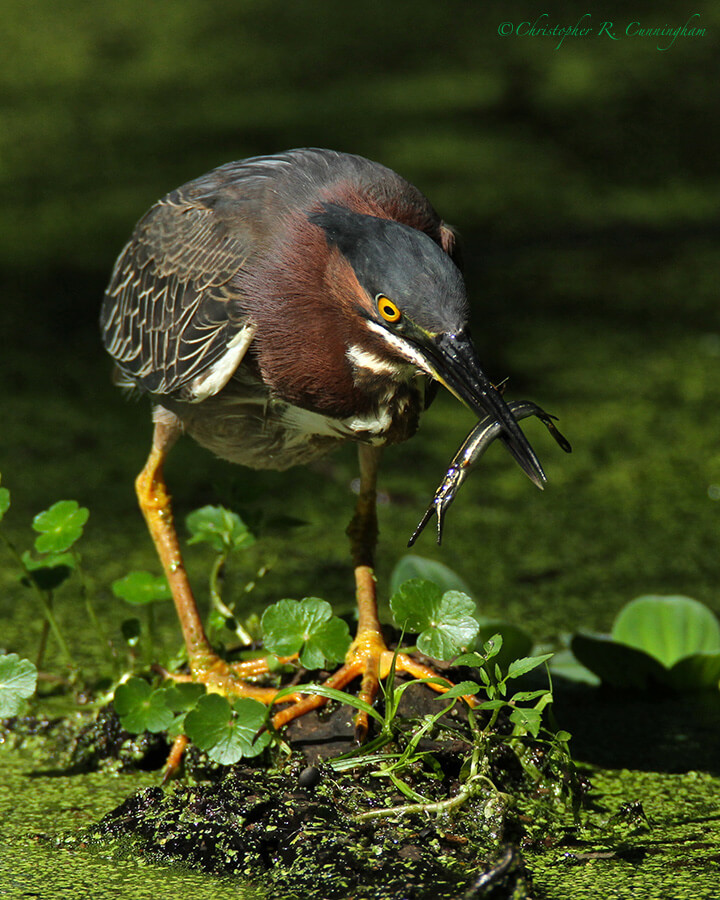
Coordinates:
[245,424]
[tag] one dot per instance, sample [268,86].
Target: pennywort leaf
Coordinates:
[50,571]
[140,588]
[413,604]
[223,529]
[227,733]
[18,680]
[669,628]
[181,696]
[59,526]
[412,567]
[140,708]
[444,621]
[306,627]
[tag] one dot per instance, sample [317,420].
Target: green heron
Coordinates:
[274,309]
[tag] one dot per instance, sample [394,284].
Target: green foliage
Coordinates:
[444,622]
[668,628]
[140,588]
[181,696]
[404,736]
[141,708]
[412,567]
[306,627]
[494,681]
[439,611]
[224,530]
[516,642]
[60,526]
[49,572]
[227,535]
[18,679]
[227,732]
[4,502]
[668,640]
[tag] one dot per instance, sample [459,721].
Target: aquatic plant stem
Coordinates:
[45,599]
[468,790]
[216,574]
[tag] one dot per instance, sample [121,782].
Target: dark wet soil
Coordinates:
[295,824]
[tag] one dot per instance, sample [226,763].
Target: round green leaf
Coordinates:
[141,708]
[18,680]
[282,628]
[59,526]
[227,732]
[452,628]
[140,588]
[669,628]
[414,605]
[307,627]
[331,641]
[183,695]
[223,529]
[418,567]
[445,622]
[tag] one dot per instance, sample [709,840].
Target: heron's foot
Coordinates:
[230,679]
[370,660]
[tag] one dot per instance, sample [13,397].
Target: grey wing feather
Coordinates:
[171,312]
[173,315]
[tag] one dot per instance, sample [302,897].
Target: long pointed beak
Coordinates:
[455,364]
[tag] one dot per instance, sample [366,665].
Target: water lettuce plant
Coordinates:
[670,641]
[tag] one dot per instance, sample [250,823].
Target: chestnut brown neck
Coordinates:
[306,322]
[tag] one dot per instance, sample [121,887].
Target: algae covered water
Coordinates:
[585,184]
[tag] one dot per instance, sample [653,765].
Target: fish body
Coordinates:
[473,447]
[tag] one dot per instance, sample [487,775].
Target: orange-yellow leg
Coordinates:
[368,657]
[205,665]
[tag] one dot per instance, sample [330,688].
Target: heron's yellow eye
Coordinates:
[387,309]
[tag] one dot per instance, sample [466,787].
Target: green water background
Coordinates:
[585,182]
